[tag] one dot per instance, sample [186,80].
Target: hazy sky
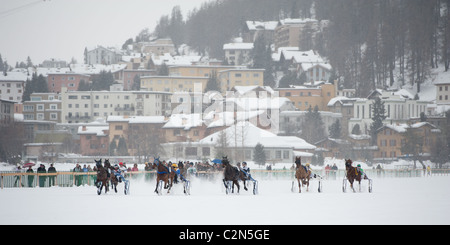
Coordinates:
[61,29]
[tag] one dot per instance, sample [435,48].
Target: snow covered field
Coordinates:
[396,201]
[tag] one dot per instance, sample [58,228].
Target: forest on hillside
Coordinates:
[370,44]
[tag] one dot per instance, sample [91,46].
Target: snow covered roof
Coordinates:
[93,129]
[261,25]
[251,104]
[184,121]
[137,119]
[345,101]
[245,134]
[13,76]
[238,46]
[290,21]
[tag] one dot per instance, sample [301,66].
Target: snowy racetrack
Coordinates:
[394,201]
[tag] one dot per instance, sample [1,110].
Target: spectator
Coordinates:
[19,170]
[77,169]
[51,179]
[42,178]
[135,168]
[30,177]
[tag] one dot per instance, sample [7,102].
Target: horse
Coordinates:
[111,177]
[231,174]
[302,175]
[162,175]
[352,174]
[102,177]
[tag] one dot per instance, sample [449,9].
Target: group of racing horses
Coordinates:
[167,174]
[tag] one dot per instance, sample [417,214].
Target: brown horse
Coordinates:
[302,175]
[162,175]
[102,177]
[352,174]
[231,176]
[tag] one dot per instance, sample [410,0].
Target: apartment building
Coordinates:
[304,97]
[102,55]
[55,81]
[173,84]
[237,53]
[398,108]
[186,78]
[288,33]
[391,138]
[12,85]
[6,111]
[43,107]
[87,106]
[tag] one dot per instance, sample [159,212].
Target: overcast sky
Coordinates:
[61,29]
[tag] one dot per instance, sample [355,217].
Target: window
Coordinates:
[40,107]
[285,154]
[53,116]
[118,127]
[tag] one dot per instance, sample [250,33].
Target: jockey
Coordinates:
[246,169]
[118,170]
[361,171]
[178,172]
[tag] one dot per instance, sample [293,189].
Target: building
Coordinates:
[237,53]
[344,106]
[288,33]
[173,84]
[102,55]
[94,139]
[87,106]
[304,97]
[69,80]
[54,63]
[254,29]
[12,86]
[312,65]
[159,47]
[391,138]
[43,107]
[195,78]
[6,111]
[233,142]
[142,134]
[399,110]
[129,77]
[443,92]
[240,77]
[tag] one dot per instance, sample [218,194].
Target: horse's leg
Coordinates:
[237,184]
[307,184]
[157,183]
[299,185]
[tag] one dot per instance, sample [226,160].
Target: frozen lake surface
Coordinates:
[394,201]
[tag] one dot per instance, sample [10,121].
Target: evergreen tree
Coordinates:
[122,149]
[213,83]
[259,156]
[37,84]
[262,59]
[335,130]
[2,66]
[313,129]
[379,114]
[163,70]
[112,148]
[102,81]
